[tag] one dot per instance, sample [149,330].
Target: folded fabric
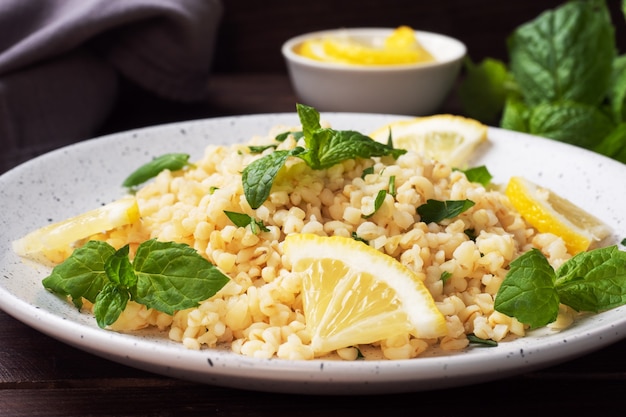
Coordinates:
[59,60]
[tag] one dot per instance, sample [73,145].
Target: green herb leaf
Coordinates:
[575,123]
[445,276]
[564,54]
[485,88]
[593,281]
[617,90]
[328,147]
[378,202]
[564,82]
[614,144]
[479,174]
[392,186]
[259,176]
[435,211]
[471,234]
[527,292]
[110,303]
[82,274]
[243,220]
[173,276]
[516,115]
[590,281]
[367,171]
[281,137]
[260,148]
[119,270]
[359,238]
[480,341]
[171,161]
[166,276]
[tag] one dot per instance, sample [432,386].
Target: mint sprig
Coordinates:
[324,147]
[590,281]
[166,276]
[564,80]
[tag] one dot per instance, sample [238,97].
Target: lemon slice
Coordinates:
[59,236]
[354,294]
[549,213]
[446,138]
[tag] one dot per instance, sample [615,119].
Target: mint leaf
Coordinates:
[435,211]
[167,276]
[258,177]
[367,171]
[614,144]
[479,174]
[110,303]
[281,137]
[593,281]
[527,292]
[244,220]
[564,54]
[575,123]
[261,148]
[617,90]
[590,281]
[171,161]
[82,274]
[515,115]
[485,89]
[331,147]
[173,276]
[119,270]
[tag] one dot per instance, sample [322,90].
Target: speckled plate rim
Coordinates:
[76,178]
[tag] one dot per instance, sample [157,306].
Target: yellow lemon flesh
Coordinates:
[401,47]
[446,138]
[549,213]
[354,294]
[58,237]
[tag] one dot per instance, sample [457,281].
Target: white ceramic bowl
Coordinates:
[411,89]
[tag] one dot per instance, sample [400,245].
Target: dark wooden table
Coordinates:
[40,376]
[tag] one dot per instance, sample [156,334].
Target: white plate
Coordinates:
[74,179]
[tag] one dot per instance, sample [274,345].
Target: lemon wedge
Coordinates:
[549,213]
[446,138]
[58,237]
[354,294]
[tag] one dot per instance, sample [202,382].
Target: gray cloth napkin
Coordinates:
[60,61]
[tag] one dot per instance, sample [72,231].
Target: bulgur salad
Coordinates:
[223,221]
